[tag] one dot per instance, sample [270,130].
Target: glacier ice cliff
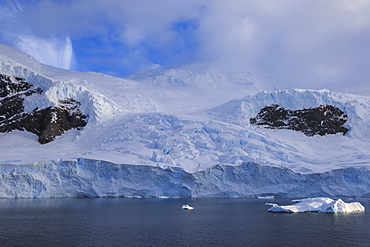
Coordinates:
[96,178]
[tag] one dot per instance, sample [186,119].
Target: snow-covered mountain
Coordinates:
[180,132]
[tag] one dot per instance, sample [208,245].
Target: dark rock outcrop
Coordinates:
[46,123]
[320,120]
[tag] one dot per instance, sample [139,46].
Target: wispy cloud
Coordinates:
[52,51]
[301,42]
[21,31]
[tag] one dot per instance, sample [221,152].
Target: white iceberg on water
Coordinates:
[271,204]
[266,197]
[187,207]
[320,204]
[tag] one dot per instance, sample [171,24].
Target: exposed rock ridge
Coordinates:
[321,120]
[46,123]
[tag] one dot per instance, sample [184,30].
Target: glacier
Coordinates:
[97,178]
[182,132]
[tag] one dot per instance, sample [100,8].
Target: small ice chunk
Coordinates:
[266,197]
[187,207]
[271,204]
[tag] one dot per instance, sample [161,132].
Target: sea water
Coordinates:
[162,222]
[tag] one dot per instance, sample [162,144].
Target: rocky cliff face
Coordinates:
[46,123]
[321,120]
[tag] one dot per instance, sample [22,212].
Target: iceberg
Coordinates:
[320,204]
[187,207]
[266,197]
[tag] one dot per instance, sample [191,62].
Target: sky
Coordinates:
[303,42]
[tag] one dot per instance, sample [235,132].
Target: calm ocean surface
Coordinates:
[161,222]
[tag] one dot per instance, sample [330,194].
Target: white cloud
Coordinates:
[300,41]
[21,28]
[312,43]
[54,52]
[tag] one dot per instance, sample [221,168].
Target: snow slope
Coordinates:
[185,119]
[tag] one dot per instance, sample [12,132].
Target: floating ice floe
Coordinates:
[320,204]
[271,204]
[266,197]
[187,207]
